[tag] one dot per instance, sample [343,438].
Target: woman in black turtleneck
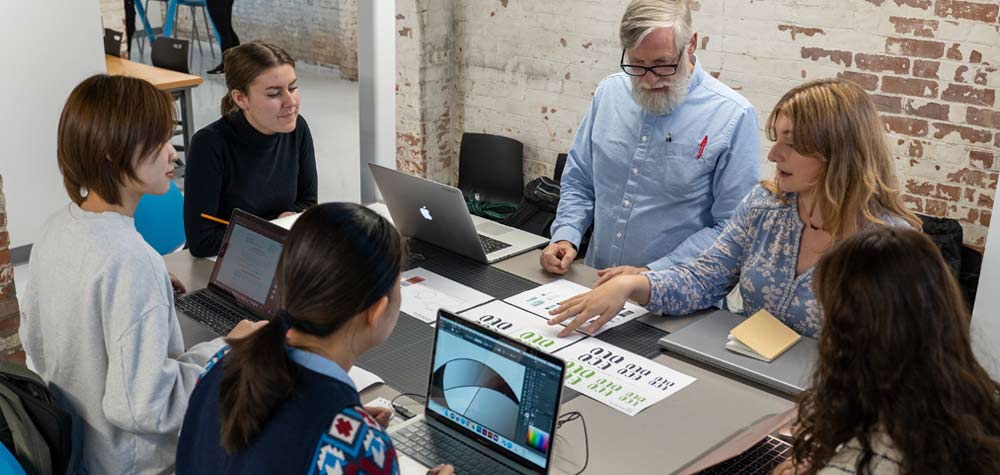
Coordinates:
[258,157]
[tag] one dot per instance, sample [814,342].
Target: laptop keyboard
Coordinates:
[205,310]
[492,245]
[757,460]
[431,446]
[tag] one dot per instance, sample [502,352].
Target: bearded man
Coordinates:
[663,156]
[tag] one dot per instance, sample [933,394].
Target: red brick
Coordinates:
[880,63]
[926,69]
[970,195]
[920,188]
[948,192]
[798,30]
[868,82]
[888,104]
[983,117]
[966,215]
[971,177]
[967,133]
[9,324]
[930,110]
[842,58]
[16,356]
[935,207]
[986,201]
[914,203]
[954,52]
[996,140]
[914,26]
[905,126]
[981,159]
[916,149]
[969,95]
[975,57]
[984,218]
[960,73]
[909,87]
[917,48]
[985,12]
[981,78]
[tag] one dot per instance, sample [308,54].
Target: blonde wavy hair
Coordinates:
[835,121]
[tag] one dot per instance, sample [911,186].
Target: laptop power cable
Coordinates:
[405,412]
[572,416]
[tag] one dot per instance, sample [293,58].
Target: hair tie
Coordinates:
[286,321]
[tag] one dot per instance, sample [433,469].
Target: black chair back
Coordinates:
[560,164]
[112,42]
[170,53]
[492,166]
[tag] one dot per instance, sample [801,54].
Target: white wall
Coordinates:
[48,49]
[986,314]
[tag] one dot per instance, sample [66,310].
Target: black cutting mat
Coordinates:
[484,278]
[404,359]
[635,336]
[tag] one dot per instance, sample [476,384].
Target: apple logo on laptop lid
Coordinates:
[426,213]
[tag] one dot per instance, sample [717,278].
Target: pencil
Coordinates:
[213,218]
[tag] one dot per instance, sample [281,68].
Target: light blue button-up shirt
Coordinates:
[639,179]
[320,365]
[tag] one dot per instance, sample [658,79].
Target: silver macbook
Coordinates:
[492,404]
[437,213]
[242,285]
[705,340]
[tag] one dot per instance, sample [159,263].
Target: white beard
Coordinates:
[658,103]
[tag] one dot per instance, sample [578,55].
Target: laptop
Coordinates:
[492,403]
[705,339]
[242,285]
[752,451]
[437,214]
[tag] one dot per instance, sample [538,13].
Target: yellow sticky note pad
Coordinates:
[765,335]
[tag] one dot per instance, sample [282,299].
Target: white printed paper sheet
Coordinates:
[525,327]
[425,292]
[618,378]
[540,300]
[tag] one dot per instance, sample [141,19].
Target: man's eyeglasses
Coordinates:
[661,70]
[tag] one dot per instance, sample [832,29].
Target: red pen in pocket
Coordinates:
[701,149]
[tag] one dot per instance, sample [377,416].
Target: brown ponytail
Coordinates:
[244,63]
[338,260]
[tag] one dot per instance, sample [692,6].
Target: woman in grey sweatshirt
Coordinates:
[98,320]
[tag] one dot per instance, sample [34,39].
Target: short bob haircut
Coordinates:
[109,124]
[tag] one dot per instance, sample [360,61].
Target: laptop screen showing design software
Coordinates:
[247,263]
[505,395]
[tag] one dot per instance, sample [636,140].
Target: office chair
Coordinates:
[560,165]
[492,167]
[160,220]
[112,42]
[172,54]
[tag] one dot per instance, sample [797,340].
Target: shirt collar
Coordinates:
[321,365]
[697,75]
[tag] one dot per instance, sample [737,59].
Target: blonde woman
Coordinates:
[834,177]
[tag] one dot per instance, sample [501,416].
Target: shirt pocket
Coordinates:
[681,169]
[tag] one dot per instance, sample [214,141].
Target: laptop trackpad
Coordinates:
[408,466]
[492,229]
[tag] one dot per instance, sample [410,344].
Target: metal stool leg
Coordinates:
[208,31]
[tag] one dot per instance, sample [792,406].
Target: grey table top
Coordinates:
[662,439]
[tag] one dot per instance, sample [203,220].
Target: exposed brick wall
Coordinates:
[316,31]
[527,69]
[10,318]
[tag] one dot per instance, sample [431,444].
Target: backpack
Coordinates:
[538,207]
[32,426]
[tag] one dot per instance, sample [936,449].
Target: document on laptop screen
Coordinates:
[618,378]
[540,300]
[249,264]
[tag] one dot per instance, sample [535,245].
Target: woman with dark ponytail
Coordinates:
[258,157]
[280,400]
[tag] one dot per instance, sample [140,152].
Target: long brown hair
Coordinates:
[338,260]
[895,357]
[835,121]
[244,63]
[108,124]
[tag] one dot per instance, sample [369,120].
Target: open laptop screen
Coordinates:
[495,390]
[247,263]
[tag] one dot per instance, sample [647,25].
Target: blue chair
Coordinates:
[160,220]
[8,463]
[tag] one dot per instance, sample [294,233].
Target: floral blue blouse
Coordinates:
[758,249]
